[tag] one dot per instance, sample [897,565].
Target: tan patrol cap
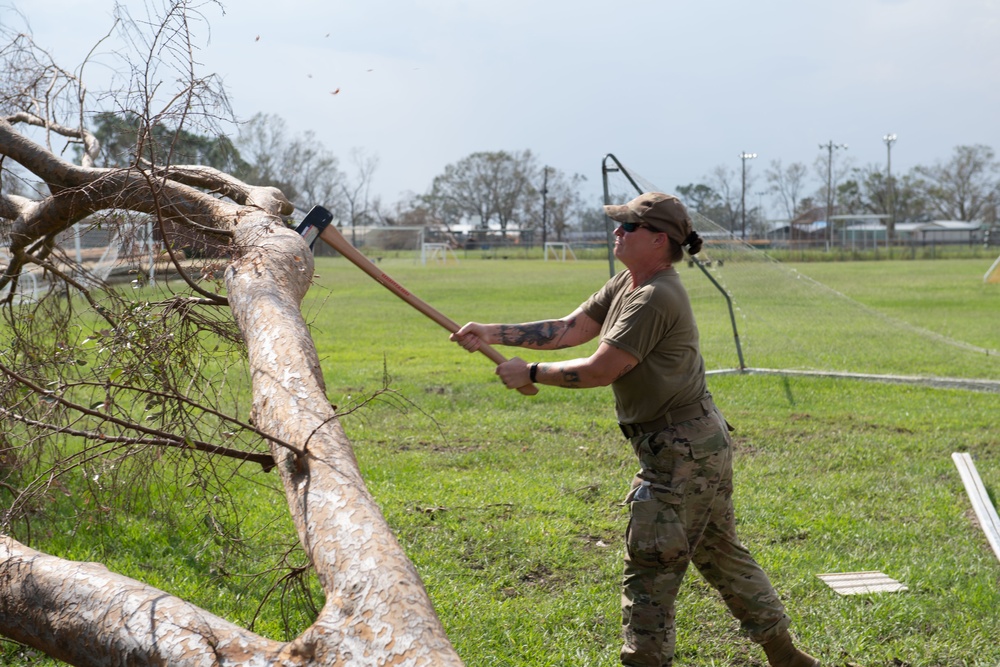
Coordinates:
[664,213]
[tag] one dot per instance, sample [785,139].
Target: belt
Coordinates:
[681,414]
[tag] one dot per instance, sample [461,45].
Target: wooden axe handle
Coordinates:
[332,235]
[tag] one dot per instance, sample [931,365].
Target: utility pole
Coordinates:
[545,206]
[744,156]
[890,187]
[761,218]
[830,146]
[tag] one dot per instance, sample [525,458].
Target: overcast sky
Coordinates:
[673,89]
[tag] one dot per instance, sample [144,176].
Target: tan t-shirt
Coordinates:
[655,324]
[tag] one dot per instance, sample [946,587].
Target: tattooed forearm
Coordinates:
[540,335]
[568,324]
[570,378]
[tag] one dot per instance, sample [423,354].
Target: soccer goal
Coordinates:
[112,248]
[437,253]
[993,275]
[559,251]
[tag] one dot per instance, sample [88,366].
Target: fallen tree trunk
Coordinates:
[377,611]
[85,615]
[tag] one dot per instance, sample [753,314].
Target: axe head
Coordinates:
[313,224]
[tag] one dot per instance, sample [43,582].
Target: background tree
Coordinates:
[121,136]
[484,187]
[718,199]
[564,202]
[865,192]
[699,197]
[355,191]
[135,386]
[727,185]
[909,198]
[414,210]
[299,166]
[262,140]
[964,188]
[721,200]
[592,219]
[830,171]
[787,184]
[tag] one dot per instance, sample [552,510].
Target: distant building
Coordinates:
[940,231]
[915,233]
[869,230]
[810,225]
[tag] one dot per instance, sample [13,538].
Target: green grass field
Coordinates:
[510,506]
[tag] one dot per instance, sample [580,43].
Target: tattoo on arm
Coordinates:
[545,334]
[567,325]
[570,379]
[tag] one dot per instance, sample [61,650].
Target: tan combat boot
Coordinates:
[782,653]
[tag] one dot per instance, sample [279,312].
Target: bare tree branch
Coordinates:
[91,146]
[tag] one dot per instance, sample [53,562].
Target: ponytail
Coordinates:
[693,243]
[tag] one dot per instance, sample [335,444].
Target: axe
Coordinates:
[316,224]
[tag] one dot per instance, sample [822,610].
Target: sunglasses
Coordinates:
[630,227]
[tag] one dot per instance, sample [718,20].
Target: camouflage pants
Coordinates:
[681,508]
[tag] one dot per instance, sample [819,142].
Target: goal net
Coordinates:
[437,253]
[378,242]
[558,250]
[424,244]
[756,314]
[95,252]
[126,249]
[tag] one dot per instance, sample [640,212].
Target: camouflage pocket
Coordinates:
[666,466]
[705,435]
[655,535]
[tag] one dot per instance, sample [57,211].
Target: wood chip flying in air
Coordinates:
[335,92]
[258,38]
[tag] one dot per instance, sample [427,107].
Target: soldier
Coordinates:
[681,500]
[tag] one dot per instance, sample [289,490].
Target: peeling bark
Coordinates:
[85,615]
[377,610]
